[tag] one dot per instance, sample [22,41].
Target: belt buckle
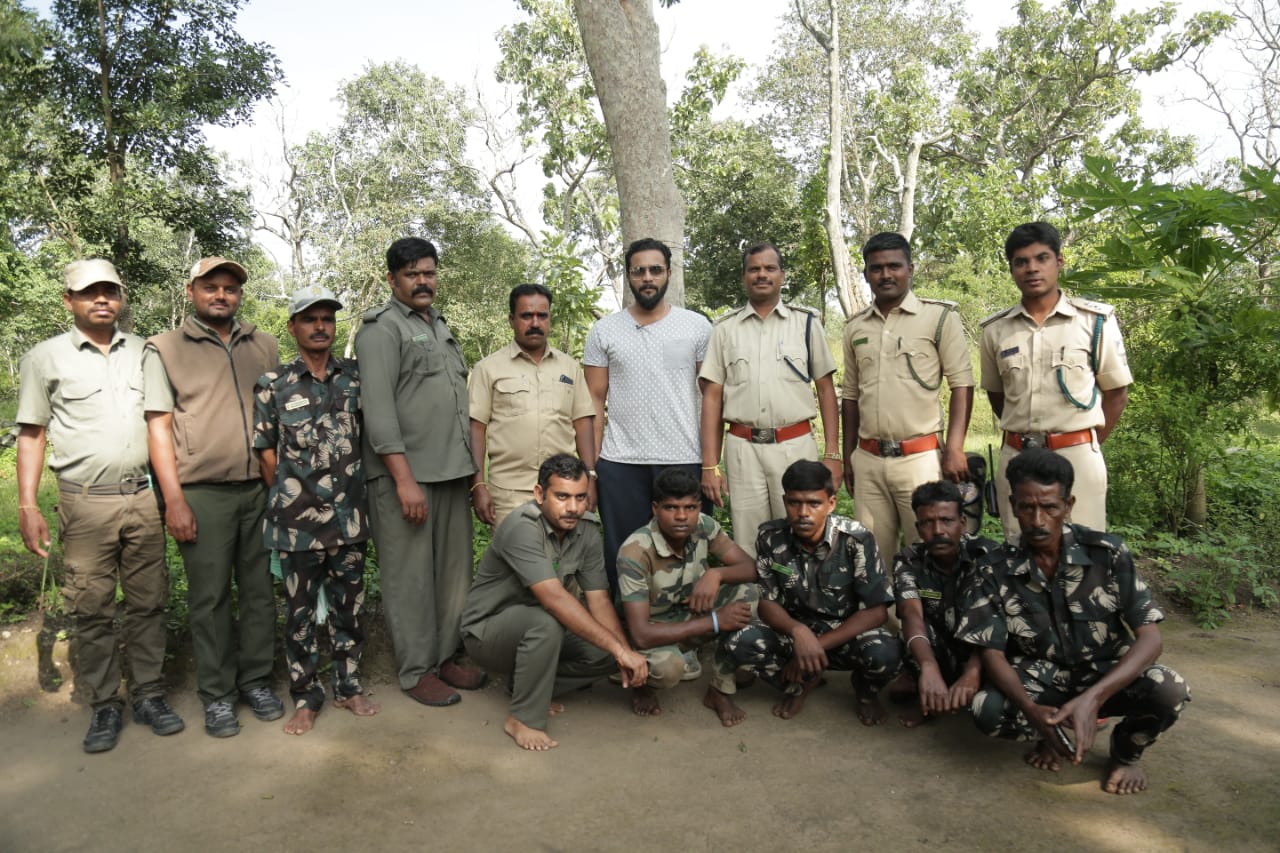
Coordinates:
[890,448]
[1033,441]
[761,436]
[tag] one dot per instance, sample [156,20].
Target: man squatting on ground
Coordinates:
[761,361]
[539,611]
[824,596]
[83,390]
[1069,633]
[419,466]
[307,435]
[674,604]
[199,403]
[929,580]
[529,401]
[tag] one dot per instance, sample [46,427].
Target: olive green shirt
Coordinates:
[525,551]
[90,402]
[413,388]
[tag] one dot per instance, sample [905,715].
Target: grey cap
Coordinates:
[304,297]
[81,274]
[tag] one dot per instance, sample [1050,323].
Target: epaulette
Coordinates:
[866,309]
[951,306]
[848,525]
[1089,305]
[804,308]
[996,316]
[726,315]
[371,315]
[1101,538]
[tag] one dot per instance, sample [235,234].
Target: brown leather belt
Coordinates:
[769,436]
[1051,440]
[125,487]
[880,447]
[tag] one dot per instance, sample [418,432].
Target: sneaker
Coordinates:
[155,712]
[692,668]
[264,704]
[104,731]
[220,719]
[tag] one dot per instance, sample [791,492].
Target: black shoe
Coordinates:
[220,719]
[155,712]
[264,704]
[104,731]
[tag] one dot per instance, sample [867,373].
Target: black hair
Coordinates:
[937,492]
[1041,466]
[807,476]
[647,244]
[561,465]
[527,290]
[1029,233]
[762,246]
[887,241]
[406,250]
[675,483]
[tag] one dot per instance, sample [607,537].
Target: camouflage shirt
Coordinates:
[941,593]
[1087,612]
[318,496]
[648,570]
[841,576]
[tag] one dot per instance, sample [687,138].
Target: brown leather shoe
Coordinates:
[430,690]
[462,677]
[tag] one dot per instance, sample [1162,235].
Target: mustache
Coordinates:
[939,540]
[320,336]
[424,290]
[1038,531]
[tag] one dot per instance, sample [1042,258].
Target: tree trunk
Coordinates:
[620,39]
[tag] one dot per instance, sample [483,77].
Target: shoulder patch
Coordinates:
[996,316]
[371,316]
[1089,305]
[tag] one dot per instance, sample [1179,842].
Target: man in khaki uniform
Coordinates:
[528,402]
[896,352]
[1055,371]
[83,390]
[760,363]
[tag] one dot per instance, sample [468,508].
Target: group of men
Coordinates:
[312,458]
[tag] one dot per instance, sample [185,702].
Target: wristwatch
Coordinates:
[591,474]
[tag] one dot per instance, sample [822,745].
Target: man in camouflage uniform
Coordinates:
[307,435]
[1069,633]
[674,604]
[823,599]
[929,579]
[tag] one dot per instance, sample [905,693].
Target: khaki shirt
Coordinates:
[529,409]
[413,387]
[91,405]
[894,372]
[765,366]
[1044,371]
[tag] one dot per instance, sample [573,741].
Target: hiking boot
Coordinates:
[264,704]
[155,712]
[104,731]
[220,719]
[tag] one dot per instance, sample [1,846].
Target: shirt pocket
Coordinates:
[1095,621]
[81,399]
[426,357]
[917,362]
[510,397]
[795,364]
[1074,375]
[737,367]
[678,354]
[1015,373]
[834,590]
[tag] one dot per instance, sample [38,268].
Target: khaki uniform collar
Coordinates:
[78,339]
[513,351]
[746,312]
[198,329]
[405,310]
[910,305]
[1064,307]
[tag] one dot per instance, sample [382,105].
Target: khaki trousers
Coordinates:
[882,487]
[1090,488]
[754,474]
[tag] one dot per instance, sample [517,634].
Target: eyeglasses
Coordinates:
[655,271]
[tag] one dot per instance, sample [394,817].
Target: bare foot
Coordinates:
[359,704]
[302,721]
[870,711]
[644,702]
[792,703]
[722,703]
[1124,778]
[554,709]
[1042,756]
[526,737]
[902,688]
[911,716]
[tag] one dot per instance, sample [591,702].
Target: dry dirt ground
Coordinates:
[449,778]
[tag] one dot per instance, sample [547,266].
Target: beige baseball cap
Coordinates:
[204,266]
[313,294]
[81,274]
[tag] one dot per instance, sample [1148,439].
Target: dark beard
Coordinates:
[648,303]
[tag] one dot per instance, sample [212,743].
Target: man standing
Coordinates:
[83,389]
[823,598]
[307,435]
[539,611]
[1055,371]
[419,464]
[645,362]
[760,363]
[929,581]
[674,603]
[529,401]
[199,402]
[1069,633]
[896,352]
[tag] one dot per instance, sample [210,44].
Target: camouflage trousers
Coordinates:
[1149,704]
[951,654]
[341,571]
[666,663]
[873,657]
